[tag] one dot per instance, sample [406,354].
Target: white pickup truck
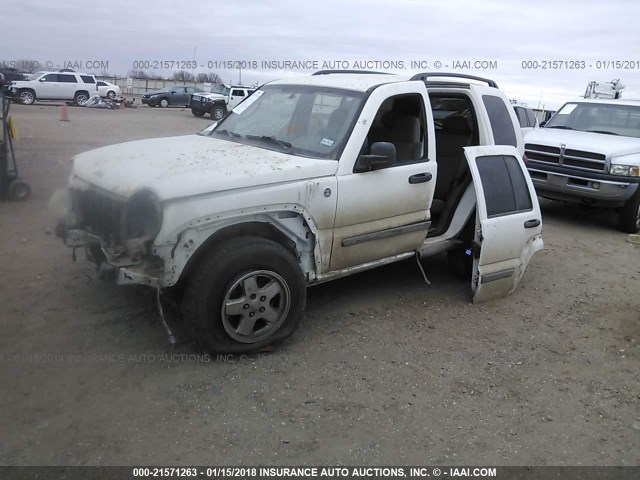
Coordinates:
[308,180]
[589,153]
[219,101]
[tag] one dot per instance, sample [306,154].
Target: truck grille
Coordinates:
[100,214]
[578,159]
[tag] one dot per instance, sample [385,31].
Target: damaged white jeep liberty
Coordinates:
[308,180]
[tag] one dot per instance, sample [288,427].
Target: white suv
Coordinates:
[62,85]
[308,180]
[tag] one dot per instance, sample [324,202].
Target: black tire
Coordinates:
[80,98]
[111,94]
[218,111]
[197,113]
[630,214]
[19,190]
[234,276]
[27,96]
[164,102]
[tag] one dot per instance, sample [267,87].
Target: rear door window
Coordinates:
[65,78]
[522,117]
[500,120]
[88,79]
[505,188]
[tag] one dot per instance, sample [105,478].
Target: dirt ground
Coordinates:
[383,370]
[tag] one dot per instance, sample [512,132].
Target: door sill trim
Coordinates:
[388,232]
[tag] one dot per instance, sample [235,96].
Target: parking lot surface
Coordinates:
[383,369]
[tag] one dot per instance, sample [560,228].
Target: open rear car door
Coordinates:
[508,220]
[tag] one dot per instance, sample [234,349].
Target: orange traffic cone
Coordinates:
[64,114]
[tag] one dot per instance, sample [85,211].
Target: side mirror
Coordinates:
[543,124]
[173,91]
[383,154]
[42,80]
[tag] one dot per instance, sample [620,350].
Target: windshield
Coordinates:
[297,119]
[219,88]
[598,118]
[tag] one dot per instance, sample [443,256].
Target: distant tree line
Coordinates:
[179,76]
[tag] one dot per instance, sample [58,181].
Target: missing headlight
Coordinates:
[142,217]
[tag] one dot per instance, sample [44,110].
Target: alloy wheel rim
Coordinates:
[26,97]
[255,306]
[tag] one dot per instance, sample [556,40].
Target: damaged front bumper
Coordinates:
[114,265]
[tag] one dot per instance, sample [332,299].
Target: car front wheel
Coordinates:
[27,97]
[218,112]
[244,296]
[164,103]
[111,94]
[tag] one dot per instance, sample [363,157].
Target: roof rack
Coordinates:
[448,84]
[424,75]
[364,72]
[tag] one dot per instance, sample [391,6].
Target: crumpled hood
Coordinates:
[176,167]
[610,145]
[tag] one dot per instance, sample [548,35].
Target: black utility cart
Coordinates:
[11,187]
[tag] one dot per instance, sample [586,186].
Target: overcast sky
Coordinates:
[508,32]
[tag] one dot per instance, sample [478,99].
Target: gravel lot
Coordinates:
[383,370]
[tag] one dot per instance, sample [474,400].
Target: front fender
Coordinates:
[291,221]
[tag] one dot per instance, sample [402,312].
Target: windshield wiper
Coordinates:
[232,134]
[282,143]
[563,127]
[606,132]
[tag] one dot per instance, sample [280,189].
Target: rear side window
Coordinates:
[503,132]
[522,116]
[66,78]
[88,79]
[504,185]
